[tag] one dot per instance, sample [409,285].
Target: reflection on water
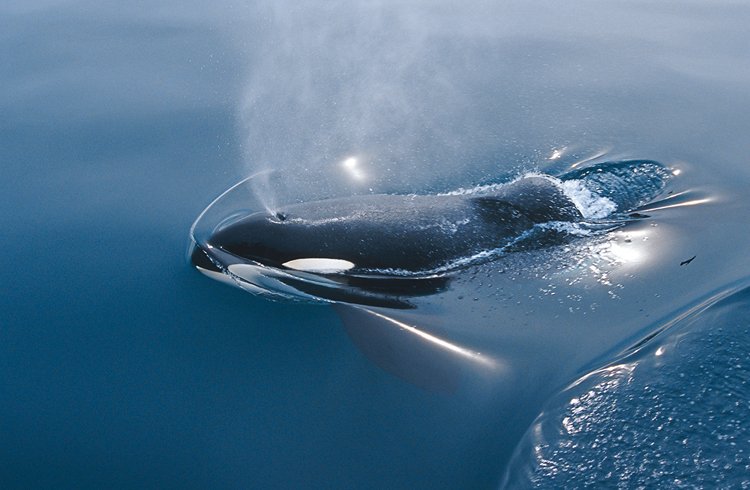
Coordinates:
[672,413]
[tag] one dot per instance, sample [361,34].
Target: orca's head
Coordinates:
[284,256]
[284,241]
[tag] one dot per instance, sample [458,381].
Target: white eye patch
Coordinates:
[319,265]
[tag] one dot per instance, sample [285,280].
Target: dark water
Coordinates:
[123,367]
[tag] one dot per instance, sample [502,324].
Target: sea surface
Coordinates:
[613,360]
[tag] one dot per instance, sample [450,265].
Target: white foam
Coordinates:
[590,204]
[575,229]
[322,221]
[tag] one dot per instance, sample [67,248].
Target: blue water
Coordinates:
[122,367]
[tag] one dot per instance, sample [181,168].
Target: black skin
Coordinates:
[387,232]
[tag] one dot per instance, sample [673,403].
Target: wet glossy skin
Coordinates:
[396,232]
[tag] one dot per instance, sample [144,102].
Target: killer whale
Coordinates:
[379,249]
[412,233]
[368,256]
